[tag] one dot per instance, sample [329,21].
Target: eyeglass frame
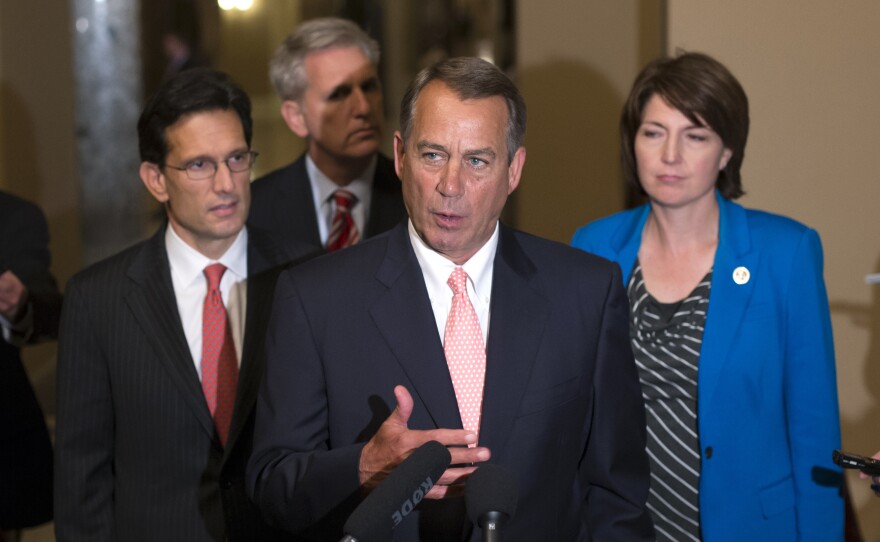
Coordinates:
[253,154]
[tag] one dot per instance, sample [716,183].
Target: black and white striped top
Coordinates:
[666,340]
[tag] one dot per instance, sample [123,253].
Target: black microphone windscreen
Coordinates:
[491,488]
[397,495]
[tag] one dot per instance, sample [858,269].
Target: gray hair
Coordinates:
[286,69]
[470,78]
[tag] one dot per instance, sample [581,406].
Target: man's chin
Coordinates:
[365,144]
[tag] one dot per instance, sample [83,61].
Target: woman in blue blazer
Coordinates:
[729,322]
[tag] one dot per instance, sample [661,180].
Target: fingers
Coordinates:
[451,483]
[455,475]
[469,456]
[394,441]
[404,405]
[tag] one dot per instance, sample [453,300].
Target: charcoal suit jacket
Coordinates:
[138,457]
[562,406]
[282,202]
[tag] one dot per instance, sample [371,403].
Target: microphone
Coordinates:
[397,495]
[490,496]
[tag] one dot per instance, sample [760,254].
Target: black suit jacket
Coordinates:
[562,404]
[282,202]
[137,454]
[25,450]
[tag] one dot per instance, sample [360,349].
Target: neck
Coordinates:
[684,227]
[339,170]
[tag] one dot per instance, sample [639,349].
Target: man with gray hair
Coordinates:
[503,347]
[341,190]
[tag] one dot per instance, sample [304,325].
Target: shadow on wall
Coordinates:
[21,174]
[572,172]
[19,169]
[866,427]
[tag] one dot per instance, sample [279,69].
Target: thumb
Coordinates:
[404,408]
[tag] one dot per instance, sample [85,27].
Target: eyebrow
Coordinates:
[348,86]
[211,158]
[421,145]
[485,151]
[688,127]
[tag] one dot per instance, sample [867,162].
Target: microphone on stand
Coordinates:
[397,495]
[490,496]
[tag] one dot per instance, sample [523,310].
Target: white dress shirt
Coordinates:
[436,269]
[190,288]
[325,207]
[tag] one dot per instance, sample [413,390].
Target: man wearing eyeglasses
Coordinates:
[342,189]
[160,351]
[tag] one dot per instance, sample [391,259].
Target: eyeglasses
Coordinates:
[204,168]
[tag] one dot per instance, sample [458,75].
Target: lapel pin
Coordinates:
[741,275]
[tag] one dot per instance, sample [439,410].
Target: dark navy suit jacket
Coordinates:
[282,202]
[562,406]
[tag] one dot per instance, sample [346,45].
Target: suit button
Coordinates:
[708,452]
[225,484]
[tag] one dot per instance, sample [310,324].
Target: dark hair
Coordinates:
[287,68]
[470,78]
[707,94]
[191,91]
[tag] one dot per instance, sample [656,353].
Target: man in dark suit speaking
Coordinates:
[160,351]
[377,349]
[342,189]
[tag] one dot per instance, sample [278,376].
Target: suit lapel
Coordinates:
[405,319]
[386,207]
[260,291]
[297,207]
[519,312]
[154,306]
[727,299]
[518,317]
[627,240]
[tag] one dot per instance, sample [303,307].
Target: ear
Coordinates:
[399,150]
[725,158]
[154,180]
[514,170]
[292,113]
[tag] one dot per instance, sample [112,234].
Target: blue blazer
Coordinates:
[767,394]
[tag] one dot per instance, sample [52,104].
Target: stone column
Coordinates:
[107,74]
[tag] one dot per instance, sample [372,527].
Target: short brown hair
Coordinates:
[707,94]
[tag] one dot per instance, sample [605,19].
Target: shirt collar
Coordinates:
[323,187]
[436,268]
[188,264]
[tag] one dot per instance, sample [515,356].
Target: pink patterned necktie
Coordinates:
[465,352]
[343,231]
[219,362]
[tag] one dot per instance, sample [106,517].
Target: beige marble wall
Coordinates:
[810,70]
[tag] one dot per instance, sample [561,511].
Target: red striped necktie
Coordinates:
[219,362]
[343,231]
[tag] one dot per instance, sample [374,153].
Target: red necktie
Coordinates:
[219,362]
[465,352]
[343,231]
